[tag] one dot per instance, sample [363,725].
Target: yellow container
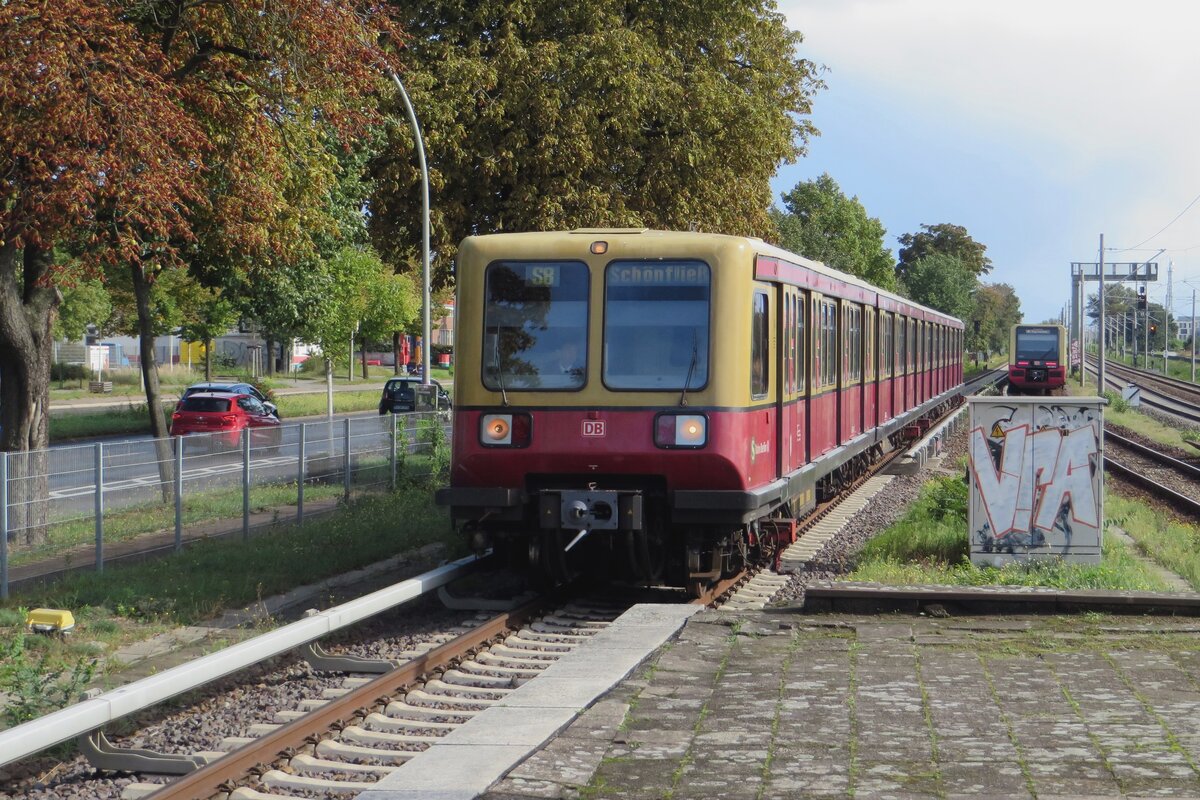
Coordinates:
[49,620]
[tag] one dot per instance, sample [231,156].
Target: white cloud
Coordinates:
[1096,78]
[1101,97]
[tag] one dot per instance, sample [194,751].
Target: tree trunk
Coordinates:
[28,302]
[208,347]
[158,425]
[363,344]
[270,354]
[396,352]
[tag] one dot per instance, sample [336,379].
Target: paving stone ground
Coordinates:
[775,705]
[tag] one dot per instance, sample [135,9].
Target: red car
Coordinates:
[223,417]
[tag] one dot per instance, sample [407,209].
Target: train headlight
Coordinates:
[681,430]
[504,430]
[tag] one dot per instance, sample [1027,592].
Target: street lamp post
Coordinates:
[425,320]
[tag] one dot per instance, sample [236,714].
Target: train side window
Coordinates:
[801,361]
[912,345]
[789,336]
[829,354]
[888,353]
[872,349]
[759,343]
[857,344]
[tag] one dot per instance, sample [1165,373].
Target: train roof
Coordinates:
[760,246]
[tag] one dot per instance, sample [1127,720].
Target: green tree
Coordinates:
[995,309]
[364,296]
[546,115]
[821,223]
[83,303]
[942,282]
[951,240]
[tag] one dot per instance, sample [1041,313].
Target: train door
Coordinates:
[870,390]
[910,369]
[761,428]
[823,383]
[850,374]
[887,356]
[793,439]
[937,360]
[922,361]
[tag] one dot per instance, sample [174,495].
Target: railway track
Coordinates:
[1178,399]
[1175,482]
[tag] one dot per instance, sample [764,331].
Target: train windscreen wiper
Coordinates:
[691,368]
[500,370]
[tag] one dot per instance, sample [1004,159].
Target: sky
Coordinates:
[1037,126]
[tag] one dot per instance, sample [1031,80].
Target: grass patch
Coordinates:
[929,545]
[224,574]
[198,507]
[111,422]
[311,405]
[1168,541]
[126,604]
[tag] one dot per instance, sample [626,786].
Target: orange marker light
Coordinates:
[599,248]
[497,429]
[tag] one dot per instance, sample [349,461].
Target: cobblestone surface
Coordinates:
[782,705]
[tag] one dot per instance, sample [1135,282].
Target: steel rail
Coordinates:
[1180,502]
[1156,399]
[89,715]
[215,778]
[1187,469]
[1186,386]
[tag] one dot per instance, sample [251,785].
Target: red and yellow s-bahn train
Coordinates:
[1037,358]
[661,405]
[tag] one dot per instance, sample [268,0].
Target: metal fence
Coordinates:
[68,504]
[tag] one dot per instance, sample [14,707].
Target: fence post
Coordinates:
[245,483]
[3,526]
[395,436]
[99,493]
[178,494]
[347,466]
[301,469]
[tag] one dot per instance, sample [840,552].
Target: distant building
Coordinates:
[1184,327]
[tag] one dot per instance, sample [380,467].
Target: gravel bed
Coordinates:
[1168,476]
[837,557]
[1187,456]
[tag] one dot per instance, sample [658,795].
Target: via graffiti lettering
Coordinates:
[1034,477]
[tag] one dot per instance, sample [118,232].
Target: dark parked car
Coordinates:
[229,388]
[400,395]
[223,417]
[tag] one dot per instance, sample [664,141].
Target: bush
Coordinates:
[1116,402]
[948,498]
[68,372]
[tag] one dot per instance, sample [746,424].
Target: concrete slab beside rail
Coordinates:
[780,704]
[473,757]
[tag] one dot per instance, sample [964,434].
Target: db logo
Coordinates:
[593,427]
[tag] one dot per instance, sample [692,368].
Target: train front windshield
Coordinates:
[535,325]
[1037,345]
[656,325]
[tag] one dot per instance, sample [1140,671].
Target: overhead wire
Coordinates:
[1187,208]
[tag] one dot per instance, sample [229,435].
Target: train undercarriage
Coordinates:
[624,527]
